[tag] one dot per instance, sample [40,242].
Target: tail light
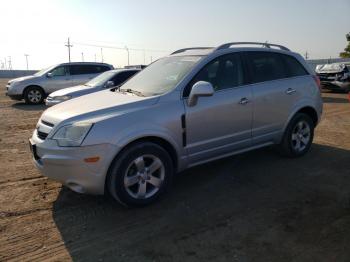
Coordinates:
[317,80]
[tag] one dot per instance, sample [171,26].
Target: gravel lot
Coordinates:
[253,207]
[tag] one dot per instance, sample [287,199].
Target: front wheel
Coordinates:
[140,175]
[34,95]
[298,136]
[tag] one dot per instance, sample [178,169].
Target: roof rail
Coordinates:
[190,48]
[267,45]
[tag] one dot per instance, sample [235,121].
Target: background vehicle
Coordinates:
[33,89]
[105,80]
[334,76]
[194,106]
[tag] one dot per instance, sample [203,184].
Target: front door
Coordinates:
[219,124]
[58,78]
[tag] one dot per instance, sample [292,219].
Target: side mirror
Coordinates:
[199,89]
[109,84]
[49,75]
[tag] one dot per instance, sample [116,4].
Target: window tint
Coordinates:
[265,66]
[122,77]
[294,68]
[59,71]
[223,72]
[87,69]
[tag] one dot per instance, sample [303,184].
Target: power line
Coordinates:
[121,48]
[69,46]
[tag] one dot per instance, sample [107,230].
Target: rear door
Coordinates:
[277,83]
[219,124]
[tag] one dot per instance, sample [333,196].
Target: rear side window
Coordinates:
[294,68]
[87,69]
[122,77]
[265,66]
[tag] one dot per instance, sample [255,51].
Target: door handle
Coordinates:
[244,101]
[290,91]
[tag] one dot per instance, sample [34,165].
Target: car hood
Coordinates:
[23,78]
[75,91]
[99,105]
[330,68]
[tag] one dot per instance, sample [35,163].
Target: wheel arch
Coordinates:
[29,86]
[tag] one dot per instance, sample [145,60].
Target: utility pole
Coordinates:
[127,50]
[69,46]
[101,55]
[144,56]
[9,63]
[82,56]
[26,55]
[306,55]
[5,63]
[95,57]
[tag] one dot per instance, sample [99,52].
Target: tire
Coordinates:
[298,136]
[131,180]
[34,95]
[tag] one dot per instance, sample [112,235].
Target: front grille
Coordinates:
[41,135]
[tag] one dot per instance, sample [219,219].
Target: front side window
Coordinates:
[122,77]
[59,71]
[161,76]
[223,73]
[265,66]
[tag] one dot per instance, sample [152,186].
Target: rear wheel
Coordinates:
[140,175]
[298,136]
[34,95]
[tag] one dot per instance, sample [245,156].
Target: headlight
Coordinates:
[72,135]
[61,98]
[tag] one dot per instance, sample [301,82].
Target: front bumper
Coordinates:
[67,164]
[13,96]
[336,85]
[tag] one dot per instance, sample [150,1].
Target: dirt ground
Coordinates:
[257,206]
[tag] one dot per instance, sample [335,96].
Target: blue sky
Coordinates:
[40,28]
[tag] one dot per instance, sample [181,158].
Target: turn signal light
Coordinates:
[92,159]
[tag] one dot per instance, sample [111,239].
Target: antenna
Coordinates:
[69,46]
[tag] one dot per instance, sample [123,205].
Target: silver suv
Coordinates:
[194,106]
[33,89]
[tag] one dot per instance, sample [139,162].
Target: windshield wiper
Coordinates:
[128,90]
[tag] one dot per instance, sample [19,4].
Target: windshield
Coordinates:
[44,71]
[101,79]
[161,76]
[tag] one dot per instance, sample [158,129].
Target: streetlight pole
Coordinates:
[26,55]
[127,50]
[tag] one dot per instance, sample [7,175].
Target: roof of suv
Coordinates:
[86,63]
[208,50]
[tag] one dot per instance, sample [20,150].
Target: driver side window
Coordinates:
[223,72]
[59,71]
